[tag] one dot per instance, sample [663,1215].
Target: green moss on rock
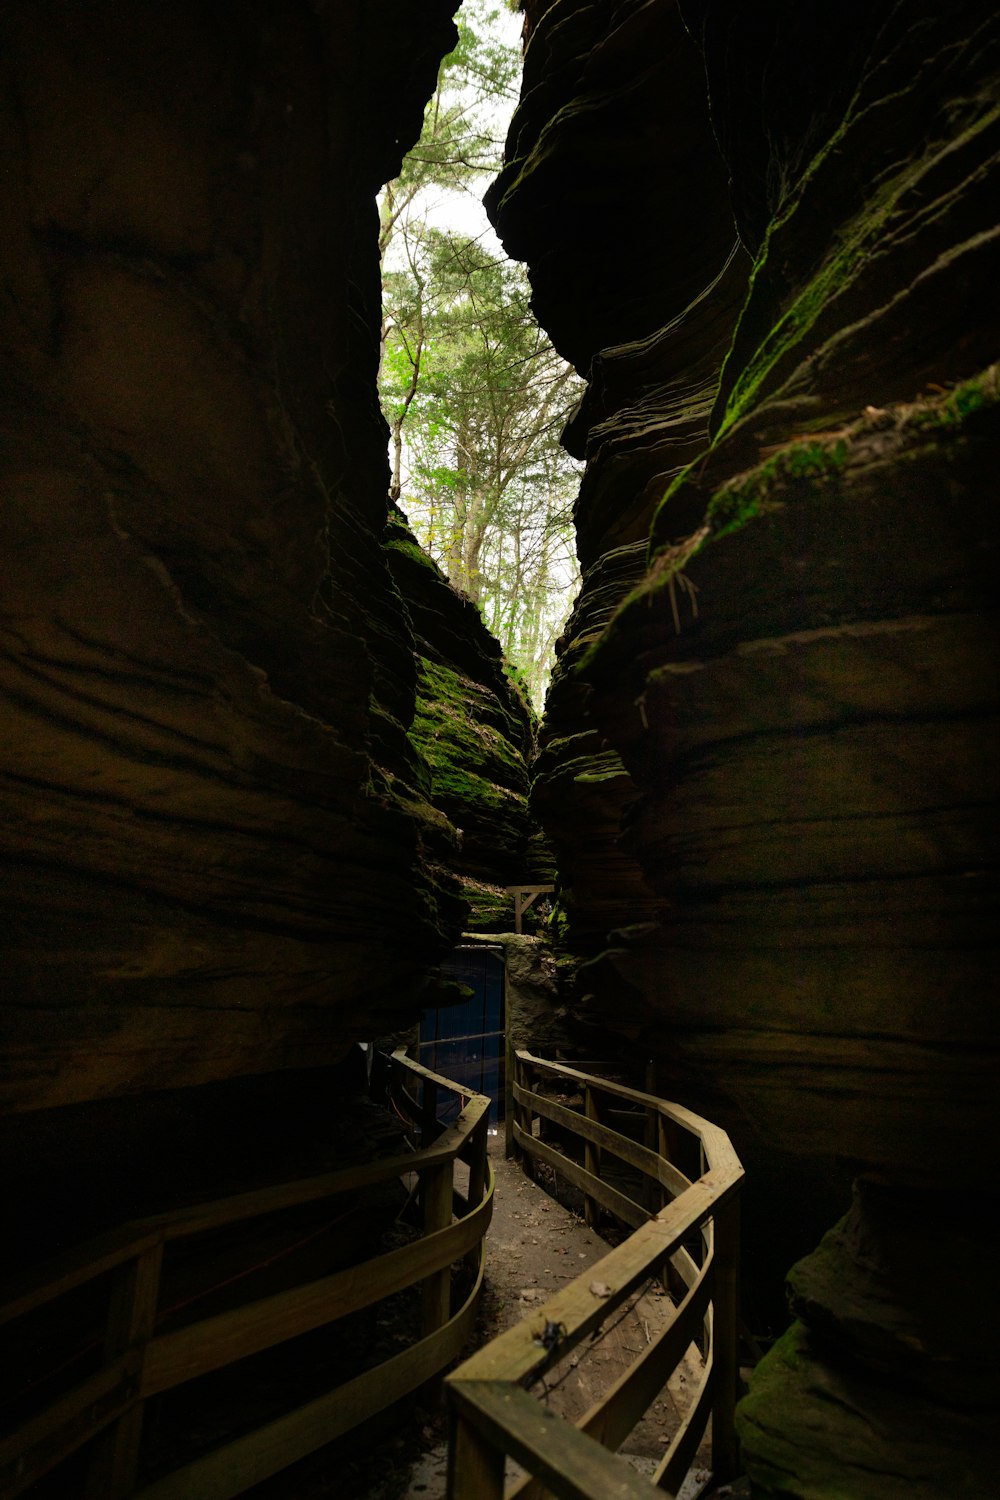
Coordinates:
[458,727]
[490,907]
[807,465]
[846,283]
[813,1431]
[472,731]
[806,469]
[957,408]
[477,774]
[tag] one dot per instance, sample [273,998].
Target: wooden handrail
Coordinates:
[493,1416]
[105,1252]
[105,1410]
[229,1470]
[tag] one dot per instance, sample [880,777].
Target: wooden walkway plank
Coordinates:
[723,1157]
[516,1354]
[108,1406]
[106,1251]
[679,1456]
[493,1414]
[611,1419]
[487,1391]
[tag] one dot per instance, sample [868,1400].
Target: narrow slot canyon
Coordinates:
[295,748]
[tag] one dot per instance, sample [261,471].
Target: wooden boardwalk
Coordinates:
[535,1247]
[558,1366]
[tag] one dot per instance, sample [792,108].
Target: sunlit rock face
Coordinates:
[222,857]
[795,687]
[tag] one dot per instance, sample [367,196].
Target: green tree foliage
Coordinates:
[474,393]
[461,144]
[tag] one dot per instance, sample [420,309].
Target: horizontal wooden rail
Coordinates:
[492,1413]
[104,1253]
[234,1468]
[641,1157]
[511,1421]
[105,1410]
[208,1345]
[44,1441]
[617,1203]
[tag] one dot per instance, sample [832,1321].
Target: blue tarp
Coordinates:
[465,1042]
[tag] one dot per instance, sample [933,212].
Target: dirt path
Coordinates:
[534,1248]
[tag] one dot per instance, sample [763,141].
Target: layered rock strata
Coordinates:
[800,684]
[223,852]
[581,787]
[473,731]
[646,314]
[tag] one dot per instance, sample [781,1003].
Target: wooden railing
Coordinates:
[106,1409]
[492,1414]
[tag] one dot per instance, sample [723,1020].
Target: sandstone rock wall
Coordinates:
[222,855]
[779,686]
[613,109]
[473,731]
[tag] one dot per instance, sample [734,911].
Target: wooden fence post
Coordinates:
[664,1147]
[436,1186]
[477,1183]
[428,1119]
[652,1115]
[397,1087]
[135,1290]
[475,1467]
[524,1119]
[509,1066]
[670,1134]
[651,1138]
[725,1340]
[477,1165]
[591,1159]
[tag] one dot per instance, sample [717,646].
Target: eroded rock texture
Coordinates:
[613,99]
[774,723]
[224,854]
[473,731]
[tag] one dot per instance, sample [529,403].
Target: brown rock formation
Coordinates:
[223,853]
[631,298]
[790,706]
[473,732]
[767,235]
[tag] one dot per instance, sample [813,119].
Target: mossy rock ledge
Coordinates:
[472,731]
